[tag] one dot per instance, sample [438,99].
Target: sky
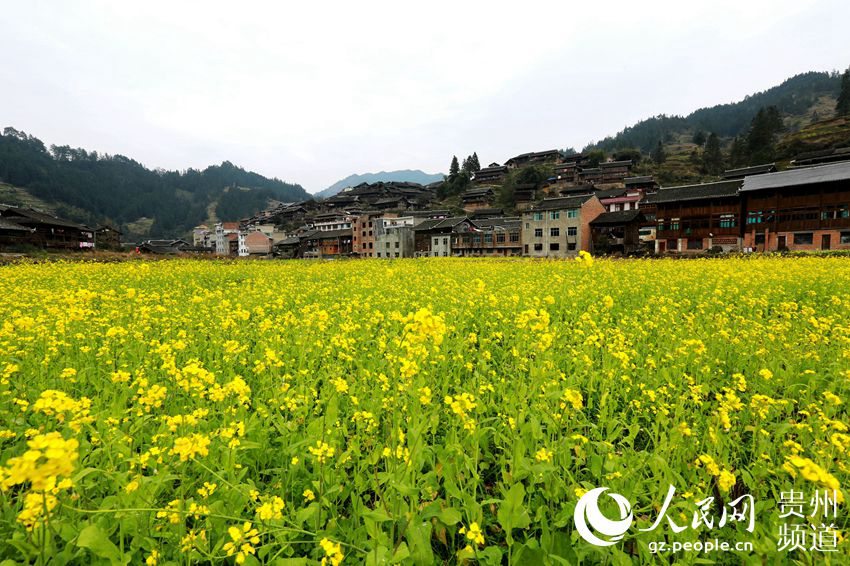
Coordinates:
[311,92]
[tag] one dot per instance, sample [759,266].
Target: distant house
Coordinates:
[170,247]
[395,237]
[203,237]
[327,244]
[534,158]
[747,171]
[494,237]
[617,232]
[524,196]
[560,227]
[811,158]
[43,230]
[495,173]
[473,199]
[364,229]
[255,243]
[693,218]
[433,237]
[107,237]
[227,238]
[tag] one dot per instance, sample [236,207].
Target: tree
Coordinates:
[595,157]
[761,138]
[476,166]
[699,138]
[738,153]
[658,154]
[454,168]
[628,154]
[842,107]
[712,158]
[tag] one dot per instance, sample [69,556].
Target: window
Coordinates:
[525,248]
[370,224]
[396,254]
[554,232]
[804,239]
[728,221]
[572,213]
[554,214]
[538,216]
[554,246]
[538,232]
[445,241]
[538,247]
[396,245]
[388,245]
[674,224]
[500,238]
[515,236]
[760,239]
[476,239]
[571,246]
[370,232]
[379,254]
[845,238]
[694,243]
[527,225]
[572,231]
[370,245]
[488,238]
[364,233]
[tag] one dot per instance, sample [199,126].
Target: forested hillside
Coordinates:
[795,96]
[95,188]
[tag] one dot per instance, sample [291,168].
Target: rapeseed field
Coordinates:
[422,411]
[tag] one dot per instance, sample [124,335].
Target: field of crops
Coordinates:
[419,411]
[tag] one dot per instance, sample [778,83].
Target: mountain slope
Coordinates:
[93,188]
[406,175]
[796,96]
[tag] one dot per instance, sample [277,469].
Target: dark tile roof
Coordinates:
[744,171]
[9,225]
[795,177]
[562,203]
[638,180]
[28,216]
[719,189]
[625,163]
[617,218]
[610,193]
[442,223]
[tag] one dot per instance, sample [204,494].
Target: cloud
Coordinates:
[314,92]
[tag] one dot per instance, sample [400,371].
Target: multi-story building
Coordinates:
[694,218]
[494,237]
[495,173]
[227,238]
[560,227]
[395,237]
[798,209]
[364,230]
[433,237]
[203,237]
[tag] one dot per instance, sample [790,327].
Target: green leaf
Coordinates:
[377,515]
[97,542]
[419,537]
[401,553]
[512,514]
[450,516]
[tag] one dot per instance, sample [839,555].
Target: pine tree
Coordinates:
[761,138]
[712,158]
[699,138]
[658,154]
[465,166]
[454,168]
[842,107]
[476,166]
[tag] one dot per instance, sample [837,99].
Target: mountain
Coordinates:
[406,175]
[92,188]
[799,96]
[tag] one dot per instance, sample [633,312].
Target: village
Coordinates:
[602,209]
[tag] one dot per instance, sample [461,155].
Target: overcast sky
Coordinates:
[311,92]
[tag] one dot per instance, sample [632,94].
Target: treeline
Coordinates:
[794,96]
[119,190]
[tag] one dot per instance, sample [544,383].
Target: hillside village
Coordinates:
[601,209]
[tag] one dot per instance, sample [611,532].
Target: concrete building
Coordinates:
[560,227]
